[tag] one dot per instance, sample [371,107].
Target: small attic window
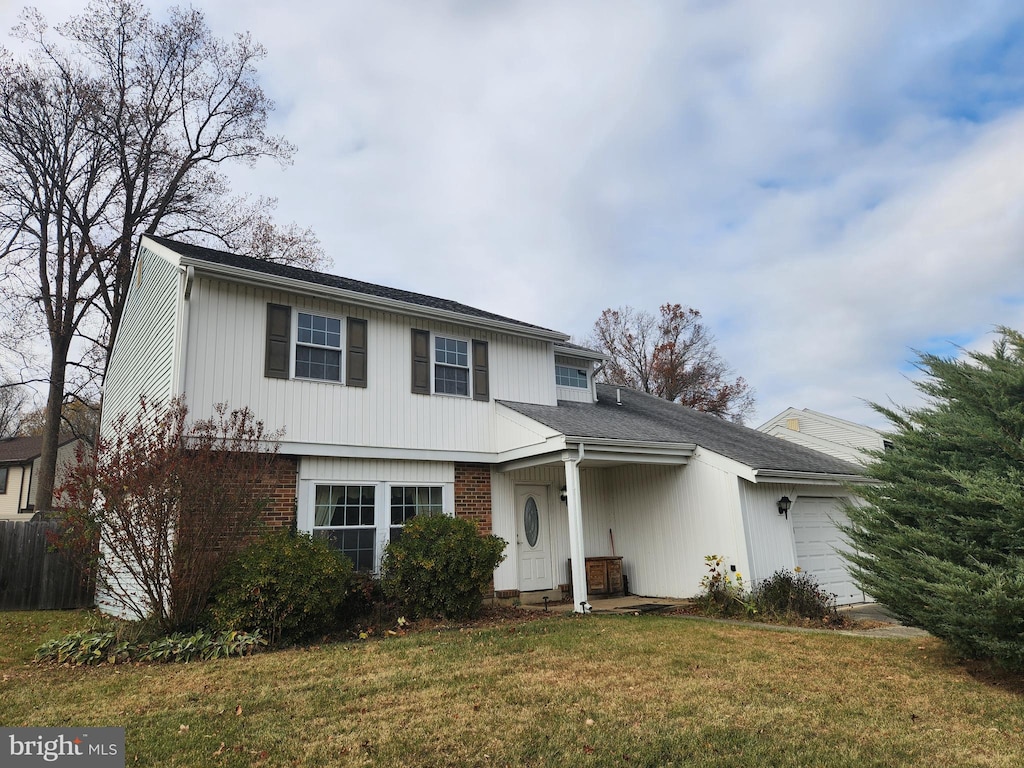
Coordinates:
[569,376]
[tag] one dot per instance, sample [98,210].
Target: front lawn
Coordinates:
[562,691]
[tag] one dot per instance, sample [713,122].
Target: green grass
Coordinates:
[564,691]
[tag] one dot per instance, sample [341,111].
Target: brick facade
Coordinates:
[473,495]
[281,487]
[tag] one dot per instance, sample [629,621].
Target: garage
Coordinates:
[817,540]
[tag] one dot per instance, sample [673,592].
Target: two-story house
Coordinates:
[395,404]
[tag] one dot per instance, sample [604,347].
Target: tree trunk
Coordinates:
[51,429]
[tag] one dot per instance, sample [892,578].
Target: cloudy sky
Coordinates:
[832,185]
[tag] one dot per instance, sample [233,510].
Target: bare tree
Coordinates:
[12,407]
[116,125]
[671,355]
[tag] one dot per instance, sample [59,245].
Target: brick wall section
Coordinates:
[473,500]
[281,487]
[473,495]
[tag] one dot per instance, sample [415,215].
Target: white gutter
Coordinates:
[809,478]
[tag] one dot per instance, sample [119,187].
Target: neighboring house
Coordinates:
[828,434]
[396,404]
[19,473]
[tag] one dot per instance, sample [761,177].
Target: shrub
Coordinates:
[724,594]
[286,586]
[440,566]
[793,594]
[163,504]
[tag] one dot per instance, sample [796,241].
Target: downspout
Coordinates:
[577,557]
[593,380]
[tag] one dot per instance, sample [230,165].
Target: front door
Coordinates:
[532,538]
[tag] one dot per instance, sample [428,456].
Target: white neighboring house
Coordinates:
[395,404]
[19,472]
[828,434]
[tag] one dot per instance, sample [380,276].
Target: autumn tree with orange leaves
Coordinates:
[671,355]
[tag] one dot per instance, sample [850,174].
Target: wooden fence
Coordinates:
[34,578]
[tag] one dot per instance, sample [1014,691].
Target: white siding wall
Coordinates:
[225,362]
[836,437]
[14,498]
[769,534]
[838,450]
[143,361]
[666,519]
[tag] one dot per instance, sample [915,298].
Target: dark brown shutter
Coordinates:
[420,362]
[481,380]
[355,355]
[279,328]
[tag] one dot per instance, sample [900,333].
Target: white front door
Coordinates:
[532,538]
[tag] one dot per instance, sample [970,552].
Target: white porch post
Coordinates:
[574,503]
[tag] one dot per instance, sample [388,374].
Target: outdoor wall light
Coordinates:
[562,494]
[784,505]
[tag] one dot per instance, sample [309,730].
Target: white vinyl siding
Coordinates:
[226,359]
[143,361]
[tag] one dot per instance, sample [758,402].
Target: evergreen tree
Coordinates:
[941,538]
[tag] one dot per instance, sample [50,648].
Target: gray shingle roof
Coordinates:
[21,450]
[646,418]
[212,256]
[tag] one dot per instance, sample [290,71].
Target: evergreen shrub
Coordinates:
[440,566]
[284,585]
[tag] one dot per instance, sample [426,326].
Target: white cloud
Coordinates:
[830,183]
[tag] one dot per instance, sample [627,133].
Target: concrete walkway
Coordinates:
[881,623]
[878,613]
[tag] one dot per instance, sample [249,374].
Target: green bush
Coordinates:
[286,586]
[793,594]
[440,566]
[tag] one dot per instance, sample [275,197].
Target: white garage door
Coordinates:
[817,543]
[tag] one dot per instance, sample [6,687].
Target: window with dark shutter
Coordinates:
[279,326]
[420,362]
[355,354]
[481,382]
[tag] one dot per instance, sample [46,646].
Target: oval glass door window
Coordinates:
[531,521]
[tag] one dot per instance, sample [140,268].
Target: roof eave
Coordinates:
[258,279]
[809,478]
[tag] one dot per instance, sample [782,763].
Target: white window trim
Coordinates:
[296,344]
[434,363]
[306,516]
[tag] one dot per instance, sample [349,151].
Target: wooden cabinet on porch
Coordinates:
[604,575]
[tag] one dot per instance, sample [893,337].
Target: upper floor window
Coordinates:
[318,347]
[567,376]
[310,346]
[451,366]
